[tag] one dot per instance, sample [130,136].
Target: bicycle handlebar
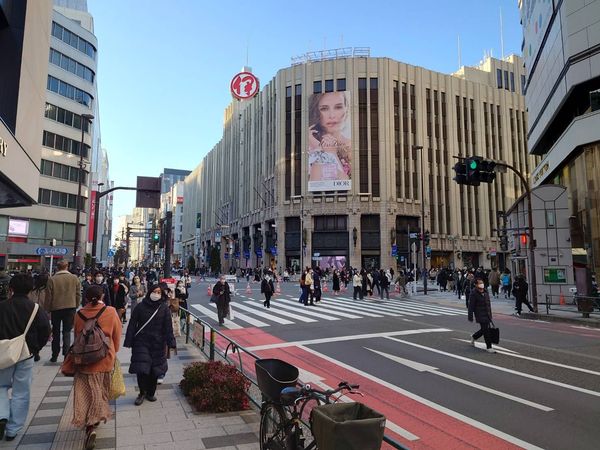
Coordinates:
[307,389]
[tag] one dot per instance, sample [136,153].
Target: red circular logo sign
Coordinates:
[244,86]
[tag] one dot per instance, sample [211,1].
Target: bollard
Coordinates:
[212,344]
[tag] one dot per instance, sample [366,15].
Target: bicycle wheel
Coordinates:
[272,427]
[305,411]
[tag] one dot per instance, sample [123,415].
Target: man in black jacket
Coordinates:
[480,306]
[14,316]
[520,290]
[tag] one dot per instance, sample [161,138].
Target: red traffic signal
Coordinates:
[523,238]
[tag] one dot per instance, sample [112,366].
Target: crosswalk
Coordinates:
[285,310]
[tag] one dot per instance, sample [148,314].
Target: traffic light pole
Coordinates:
[532,274]
[424,257]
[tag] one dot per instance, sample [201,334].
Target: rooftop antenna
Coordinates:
[501,35]
[459,63]
[247,51]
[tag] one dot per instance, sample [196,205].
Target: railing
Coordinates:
[573,303]
[211,350]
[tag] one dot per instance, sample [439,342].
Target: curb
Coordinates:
[593,323]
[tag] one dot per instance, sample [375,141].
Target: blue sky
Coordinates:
[165,66]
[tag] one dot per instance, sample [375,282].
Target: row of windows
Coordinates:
[63,171]
[60,199]
[60,32]
[340,86]
[65,117]
[509,81]
[70,65]
[331,223]
[40,231]
[64,144]
[69,91]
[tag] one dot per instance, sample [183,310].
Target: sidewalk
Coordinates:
[168,423]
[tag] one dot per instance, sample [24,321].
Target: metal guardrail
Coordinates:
[573,303]
[213,351]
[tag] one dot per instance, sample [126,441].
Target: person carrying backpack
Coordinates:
[97,330]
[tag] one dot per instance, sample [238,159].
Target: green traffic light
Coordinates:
[473,164]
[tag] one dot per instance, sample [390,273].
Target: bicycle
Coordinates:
[286,414]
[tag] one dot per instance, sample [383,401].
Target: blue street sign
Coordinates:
[259,252]
[247,254]
[394,250]
[274,251]
[236,254]
[402,258]
[55,251]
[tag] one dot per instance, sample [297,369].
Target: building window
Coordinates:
[328,85]
[512,82]
[65,117]
[331,223]
[341,84]
[288,142]
[506,80]
[397,147]
[60,199]
[69,91]
[64,144]
[62,171]
[298,142]
[59,32]
[363,142]
[317,88]
[499,78]
[374,109]
[523,84]
[70,65]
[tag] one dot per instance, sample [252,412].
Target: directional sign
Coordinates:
[60,251]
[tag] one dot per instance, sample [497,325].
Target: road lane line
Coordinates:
[286,314]
[347,338]
[309,309]
[434,370]
[281,303]
[212,315]
[502,369]
[262,314]
[354,306]
[238,315]
[454,414]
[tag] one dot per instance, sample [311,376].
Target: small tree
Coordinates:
[191,264]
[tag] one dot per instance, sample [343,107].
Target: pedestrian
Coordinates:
[467,287]
[63,297]
[91,383]
[149,333]
[357,285]
[376,281]
[98,279]
[494,279]
[506,283]
[38,295]
[267,288]
[520,290]
[401,281]
[137,292]
[480,306]
[17,315]
[303,288]
[310,291]
[187,280]
[118,290]
[86,283]
[369,283]
[317,284]
[222,293]
[181,294]
[336,282]
[384,282]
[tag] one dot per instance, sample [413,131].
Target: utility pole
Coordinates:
[168,224]
[127,239]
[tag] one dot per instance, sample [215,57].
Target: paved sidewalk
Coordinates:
[168,423]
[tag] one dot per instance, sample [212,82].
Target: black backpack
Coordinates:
[91,345]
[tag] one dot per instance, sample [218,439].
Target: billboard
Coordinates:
[330,142]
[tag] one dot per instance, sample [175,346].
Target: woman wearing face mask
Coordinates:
[149,332]
[223,295]
[118,296]
[480,306]
[98,280]
[137,291]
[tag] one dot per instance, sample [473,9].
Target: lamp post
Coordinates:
[423,269]
[301,197]
[96,206]
[85,118]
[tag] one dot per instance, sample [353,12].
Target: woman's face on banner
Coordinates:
[332,111]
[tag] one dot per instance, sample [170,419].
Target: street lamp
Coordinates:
[85,118]
[96,206]
[301,197]
[420,148]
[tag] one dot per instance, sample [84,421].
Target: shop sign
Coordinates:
[244,86]
[60,251]
[274,251]
[259,253]
[555,275]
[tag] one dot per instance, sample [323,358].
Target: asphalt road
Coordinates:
[414,362]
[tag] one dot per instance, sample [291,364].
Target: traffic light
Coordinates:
[523,238]
[504,243]
[427,238]
[461,172]
[473,170]
[486,171]
[156,237]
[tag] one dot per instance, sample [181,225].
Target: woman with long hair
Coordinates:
[38,295]
[91,384]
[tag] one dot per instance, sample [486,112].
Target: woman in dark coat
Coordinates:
[118,296]
[336,282]
[223,295]
[268,288]
[480,306]
[149,333]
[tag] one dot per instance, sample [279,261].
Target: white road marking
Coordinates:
[286,313]
[283,304]
[353,306]
[262,314]
[212,315]
[238,315]
[321,309]
[347,338]
[434,370]
[469,421]
[502,369]
[481,345]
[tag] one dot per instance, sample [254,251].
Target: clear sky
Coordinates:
[165,66]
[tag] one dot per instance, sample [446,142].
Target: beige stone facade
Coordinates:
[251,190]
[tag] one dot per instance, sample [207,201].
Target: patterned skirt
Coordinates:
[90,398]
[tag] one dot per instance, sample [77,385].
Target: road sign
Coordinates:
[316,254]
[111,252]
[274,251]
[246,254]
[259,252]
[394,250]
[316,258]
[60,251]
[412,235]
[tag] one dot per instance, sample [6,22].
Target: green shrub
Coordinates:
[215,387]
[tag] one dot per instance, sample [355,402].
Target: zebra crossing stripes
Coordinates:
[403,306]
[237,306]
[208,313]
[293,304]
[371,307]
[238,315]
[285,313]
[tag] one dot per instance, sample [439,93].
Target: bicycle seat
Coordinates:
[289,395]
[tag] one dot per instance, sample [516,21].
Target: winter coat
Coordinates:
[520,289]
[111,325]
[383,280]
[104,287]
[494,278]
[267,287]
[148,348]
[38,296]
[223,294]
[181,294]
[336,282]
[479,304]
[118,299]
[63,291]
[14,315]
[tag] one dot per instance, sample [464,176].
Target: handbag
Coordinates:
[16,350]
[494,333]
[213,298]
[117,382]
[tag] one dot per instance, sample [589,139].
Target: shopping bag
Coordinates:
[117,382]
[494,334]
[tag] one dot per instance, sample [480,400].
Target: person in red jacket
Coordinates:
[92,382]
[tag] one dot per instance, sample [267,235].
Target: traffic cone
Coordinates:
[562,299]
[209,291]
[278,288]
[248,289]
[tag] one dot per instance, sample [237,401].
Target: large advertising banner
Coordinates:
[329,142]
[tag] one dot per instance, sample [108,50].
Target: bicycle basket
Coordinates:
[347,426]
[273,375]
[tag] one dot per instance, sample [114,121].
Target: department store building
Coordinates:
[258,197]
